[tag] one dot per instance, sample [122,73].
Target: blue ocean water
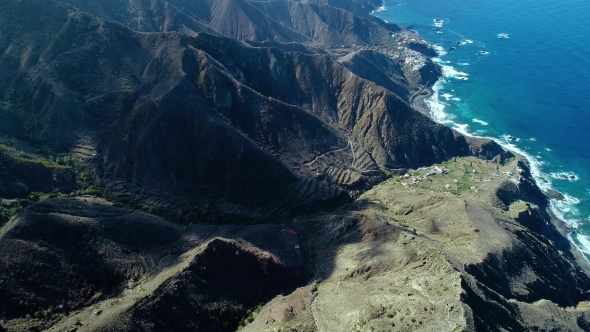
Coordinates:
[533,85]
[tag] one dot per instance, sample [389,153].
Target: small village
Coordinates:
[461,175]
[412,60]
[399,49]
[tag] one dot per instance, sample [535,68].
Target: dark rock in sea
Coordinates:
[554,194]
[511,138]
[566,176]
[452,48]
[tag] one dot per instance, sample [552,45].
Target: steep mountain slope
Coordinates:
[278,130]
[280,20]
[259,130]
[79,251]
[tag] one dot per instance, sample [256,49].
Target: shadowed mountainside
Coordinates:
[278,130]
[82,250]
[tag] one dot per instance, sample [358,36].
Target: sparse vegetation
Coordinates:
[251,315]
[46,314]
[96,296]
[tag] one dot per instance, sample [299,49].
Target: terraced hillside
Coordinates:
[205,125]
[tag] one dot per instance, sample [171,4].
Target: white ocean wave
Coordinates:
[436,106]
[456,99]
[582,247]
[440,50]
[380,9]
[585,242]
[463,64]
[462,128]
[465,42]
[481,122]
[451,72]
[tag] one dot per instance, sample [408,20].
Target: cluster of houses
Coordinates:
[414,59]
[431,171]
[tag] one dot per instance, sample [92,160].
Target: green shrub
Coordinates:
[7,213]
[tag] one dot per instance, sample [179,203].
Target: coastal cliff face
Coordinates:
[213,130]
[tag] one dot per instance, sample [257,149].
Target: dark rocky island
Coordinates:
[257,165]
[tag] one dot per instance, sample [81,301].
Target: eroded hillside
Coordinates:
[206,126]
[258,165]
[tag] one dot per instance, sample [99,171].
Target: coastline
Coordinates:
[419,103]
[566,231]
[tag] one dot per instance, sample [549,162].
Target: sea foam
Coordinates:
[451,72]
[481,122]
[437,109]
[440,50]
[380,9]
[584,240]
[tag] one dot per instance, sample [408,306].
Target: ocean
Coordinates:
[521,75]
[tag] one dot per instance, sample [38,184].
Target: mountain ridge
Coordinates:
[256,165]
[244,95]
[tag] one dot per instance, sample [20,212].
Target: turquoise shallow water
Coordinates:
[533,85]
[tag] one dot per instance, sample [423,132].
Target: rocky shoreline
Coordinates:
[419,104]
